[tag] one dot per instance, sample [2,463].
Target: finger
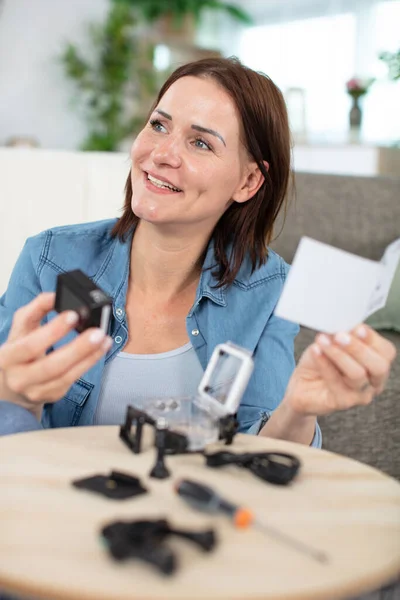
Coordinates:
[29,347]
[54,390]
[28,317]
[326,369]
[376,364]
[375,341]
[56,364]
[341,397]
[354,373]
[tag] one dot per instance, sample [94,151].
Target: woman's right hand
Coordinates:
[30,377]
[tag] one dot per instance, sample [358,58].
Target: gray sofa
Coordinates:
[361,215]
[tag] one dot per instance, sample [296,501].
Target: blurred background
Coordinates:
[82,73]
[77,78]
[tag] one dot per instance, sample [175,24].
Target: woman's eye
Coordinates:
[157,125]
[199,143]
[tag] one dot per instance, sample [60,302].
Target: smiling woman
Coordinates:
[218,122]
[188,267]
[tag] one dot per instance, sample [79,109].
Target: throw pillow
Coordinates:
[388,317]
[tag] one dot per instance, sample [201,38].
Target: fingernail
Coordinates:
[343,338]
[96,336]
[107,344]
[361,332]
[324,340]
[316,350]
[71,317]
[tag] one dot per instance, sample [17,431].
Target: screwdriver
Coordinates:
[205,499]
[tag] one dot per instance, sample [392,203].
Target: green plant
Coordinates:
[115,79]
[107,80]
[152,10]
[392,60]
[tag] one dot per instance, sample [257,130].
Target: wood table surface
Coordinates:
[49,531]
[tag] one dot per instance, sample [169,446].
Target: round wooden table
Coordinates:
[49,531]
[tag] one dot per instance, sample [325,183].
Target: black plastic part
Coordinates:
[166,442]
[117,485]
[172,441]
[275,467]
[206,540]
[134,440]
[160,471]
[122,544]
[144,540]
[228,427]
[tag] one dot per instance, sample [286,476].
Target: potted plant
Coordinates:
[112,80]
[115,80]
[180,17]
[392,60]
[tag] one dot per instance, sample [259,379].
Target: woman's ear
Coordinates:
[252,182]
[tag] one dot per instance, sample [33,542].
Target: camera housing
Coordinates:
[225,379]
[218,397]
[76,291]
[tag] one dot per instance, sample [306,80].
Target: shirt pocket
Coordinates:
[67,411]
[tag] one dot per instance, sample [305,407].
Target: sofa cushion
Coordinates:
[358,214]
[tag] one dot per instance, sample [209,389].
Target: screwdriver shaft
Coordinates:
[318,555]
[206,499]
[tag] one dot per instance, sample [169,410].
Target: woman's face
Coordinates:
[188,163]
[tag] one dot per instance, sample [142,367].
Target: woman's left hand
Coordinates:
[340,371]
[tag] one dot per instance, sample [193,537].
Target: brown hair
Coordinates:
[249,225]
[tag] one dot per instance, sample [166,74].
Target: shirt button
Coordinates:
[195,332]
[119,312]
[118,339]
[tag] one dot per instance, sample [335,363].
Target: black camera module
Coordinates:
[76,291]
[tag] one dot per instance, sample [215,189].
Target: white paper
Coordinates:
[331,290]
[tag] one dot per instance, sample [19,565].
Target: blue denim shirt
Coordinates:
[241,313]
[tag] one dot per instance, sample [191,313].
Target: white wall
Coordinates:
[34,92]
[40,189]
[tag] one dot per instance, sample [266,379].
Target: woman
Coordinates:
[187,267]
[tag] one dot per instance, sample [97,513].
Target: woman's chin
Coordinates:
[147,212]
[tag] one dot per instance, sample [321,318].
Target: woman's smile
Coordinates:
[159,185]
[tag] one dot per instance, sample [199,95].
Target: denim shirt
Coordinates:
[241,313]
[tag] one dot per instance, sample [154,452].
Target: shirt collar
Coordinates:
[207,283]
[114,274]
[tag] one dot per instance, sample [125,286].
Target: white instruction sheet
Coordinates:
[331,290]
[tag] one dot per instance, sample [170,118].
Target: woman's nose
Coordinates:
[167,152]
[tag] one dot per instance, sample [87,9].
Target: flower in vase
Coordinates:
[357,87]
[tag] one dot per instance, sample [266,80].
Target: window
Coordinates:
[319,54]
[381,106]
[387,25]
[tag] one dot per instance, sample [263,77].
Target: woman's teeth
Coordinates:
[162,184]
